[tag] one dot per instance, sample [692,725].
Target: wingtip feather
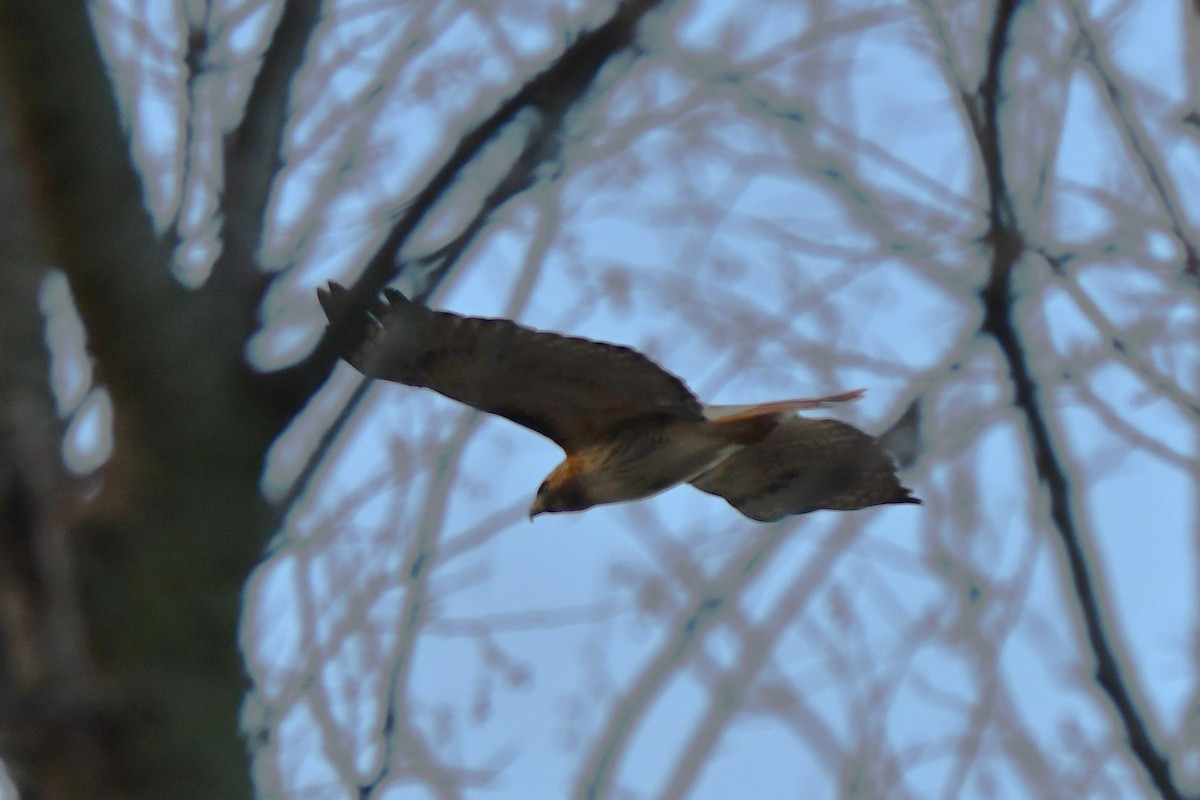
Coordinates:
[332,298]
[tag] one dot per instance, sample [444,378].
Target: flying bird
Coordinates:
[630,429]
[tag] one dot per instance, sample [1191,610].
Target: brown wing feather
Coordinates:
[572,390]
[805,465]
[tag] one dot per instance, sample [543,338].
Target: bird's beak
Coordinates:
[535,509]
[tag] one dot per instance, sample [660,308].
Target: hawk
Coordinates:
[629,428]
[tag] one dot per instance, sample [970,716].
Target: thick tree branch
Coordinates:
[1000,323]
[165,548]
[253,159]
[47,679]
[552,93]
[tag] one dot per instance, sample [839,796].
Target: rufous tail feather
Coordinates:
[724,414]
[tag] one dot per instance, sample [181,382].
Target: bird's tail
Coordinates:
[779,408]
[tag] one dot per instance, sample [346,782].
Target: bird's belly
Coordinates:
[654,464]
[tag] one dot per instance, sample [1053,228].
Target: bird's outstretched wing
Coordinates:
[575,391]
[805,465]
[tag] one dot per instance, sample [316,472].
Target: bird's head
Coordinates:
[561,491]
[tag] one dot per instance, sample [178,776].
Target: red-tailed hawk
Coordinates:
[630,429]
